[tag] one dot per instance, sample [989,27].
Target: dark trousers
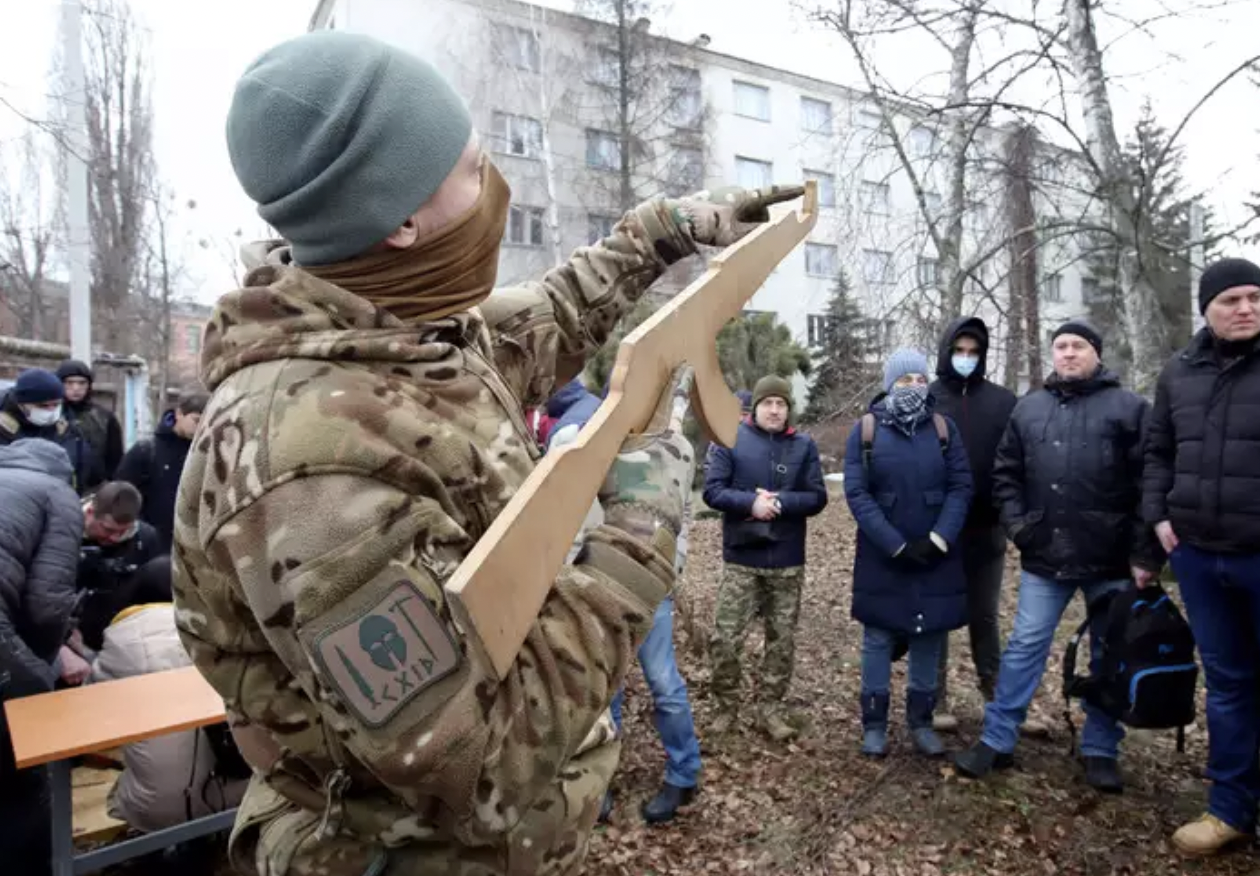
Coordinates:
[1222,597]
[25,813]
[984,559]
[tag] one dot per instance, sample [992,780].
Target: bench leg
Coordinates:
[62,797]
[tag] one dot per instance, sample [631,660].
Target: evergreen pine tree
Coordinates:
[842,366]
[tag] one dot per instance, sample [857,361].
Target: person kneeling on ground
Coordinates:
[909,491]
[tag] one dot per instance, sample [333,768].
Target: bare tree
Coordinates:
[29,228]
[1024,311]
[121,167]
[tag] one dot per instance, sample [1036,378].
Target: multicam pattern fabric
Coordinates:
[775,595]
[344,467]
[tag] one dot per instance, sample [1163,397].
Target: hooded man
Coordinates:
[980,410]
[365,429]
[33,408]
[101,432]
[766,487]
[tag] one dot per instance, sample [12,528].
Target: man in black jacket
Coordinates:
[1202,495]
[1068,482]
[102,434]
[154,466]
[980,409]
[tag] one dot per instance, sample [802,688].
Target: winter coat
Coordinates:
[154,466]
[40,527]
[167,779]
[1068,480]
[14,426]
[980,409]
[102,439]
[103,569]
[913,489]
[1203,449]
[786,463]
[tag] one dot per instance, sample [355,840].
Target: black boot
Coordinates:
[919,708]
[980,760]
[664,806]
[1103,775]
[874,724]
[606,807]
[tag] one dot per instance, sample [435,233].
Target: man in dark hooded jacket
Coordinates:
[980,409]
[101,432]
[34,408]
[40,527]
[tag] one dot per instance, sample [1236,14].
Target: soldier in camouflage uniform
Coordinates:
[766,487]
[365,429]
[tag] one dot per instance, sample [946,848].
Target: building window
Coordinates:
[603,151]
[815,116]
[877,197]
[877,267]
[753,174]
[517,135]
[1052,289]
[979,215]
[686,171]
[525,226]
[821,260]
[927,271]
[605,68]
[922,142]
[752,101]
[932,201]
[520,47]
[1091,291]
[598,226]
[686,104]
[826,187]
[192,339]
[869,119]
[817,328]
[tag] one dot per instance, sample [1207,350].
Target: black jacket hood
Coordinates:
[968,325]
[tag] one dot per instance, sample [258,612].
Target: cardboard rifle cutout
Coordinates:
[499,588]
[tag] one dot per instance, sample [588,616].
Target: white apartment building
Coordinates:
[530,76]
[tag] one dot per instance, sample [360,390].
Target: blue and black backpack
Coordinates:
[1147,673]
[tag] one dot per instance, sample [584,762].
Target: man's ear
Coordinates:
[403,236]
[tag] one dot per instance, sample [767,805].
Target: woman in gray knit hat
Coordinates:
[908,484]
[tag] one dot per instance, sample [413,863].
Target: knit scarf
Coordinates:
[907,407]
[443,273]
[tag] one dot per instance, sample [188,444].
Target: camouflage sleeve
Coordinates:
[544,331]
[351,605]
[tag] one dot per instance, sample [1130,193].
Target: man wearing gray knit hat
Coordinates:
[366,428]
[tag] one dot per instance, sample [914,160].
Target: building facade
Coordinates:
[537,82]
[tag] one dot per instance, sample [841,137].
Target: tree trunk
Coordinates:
[625,134]
[1141,306]
[546,111]
[950,243]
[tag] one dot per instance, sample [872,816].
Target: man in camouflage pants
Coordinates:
[365,429]
[766,486]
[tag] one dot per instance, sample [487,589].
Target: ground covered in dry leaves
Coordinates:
[815,806]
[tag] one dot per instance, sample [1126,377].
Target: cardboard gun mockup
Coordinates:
[499,588]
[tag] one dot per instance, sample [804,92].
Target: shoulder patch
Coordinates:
[9,424]
[381,659]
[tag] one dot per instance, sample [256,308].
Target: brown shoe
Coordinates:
[1205,837]
[774,726]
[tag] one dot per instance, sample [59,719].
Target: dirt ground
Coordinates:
[815,806]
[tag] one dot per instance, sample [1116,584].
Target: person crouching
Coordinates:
[908,485]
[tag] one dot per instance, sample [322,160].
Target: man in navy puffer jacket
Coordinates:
[766,486]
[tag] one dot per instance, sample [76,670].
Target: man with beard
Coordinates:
[366,427]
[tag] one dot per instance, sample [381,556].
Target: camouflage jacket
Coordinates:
[345,465]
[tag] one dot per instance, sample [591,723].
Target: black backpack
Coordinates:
[1147,673]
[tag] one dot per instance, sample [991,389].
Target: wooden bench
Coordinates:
[55,727]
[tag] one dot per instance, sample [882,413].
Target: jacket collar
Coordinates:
[750,423]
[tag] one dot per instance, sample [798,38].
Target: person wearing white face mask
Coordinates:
[32,409]
[980,410]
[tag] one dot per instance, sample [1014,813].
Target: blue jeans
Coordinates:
[877,651]
[671,708]
[1042,602]
[1222,597]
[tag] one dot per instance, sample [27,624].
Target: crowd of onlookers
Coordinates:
[85,594]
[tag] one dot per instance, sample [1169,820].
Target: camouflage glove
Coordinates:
[712,218]
[646,490]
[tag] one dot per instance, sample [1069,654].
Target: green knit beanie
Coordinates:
[339,138]
[772,385]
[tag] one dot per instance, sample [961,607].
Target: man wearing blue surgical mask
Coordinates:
[980,409]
